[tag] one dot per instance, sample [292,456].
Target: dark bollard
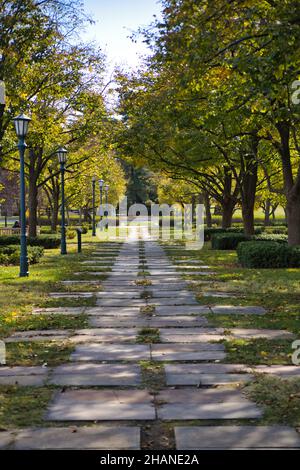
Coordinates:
[79,233]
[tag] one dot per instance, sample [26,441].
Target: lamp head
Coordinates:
[62,155]
[21,124]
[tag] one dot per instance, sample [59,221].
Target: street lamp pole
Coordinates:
[21,123]
[101,183]
[62,158]
[94,214]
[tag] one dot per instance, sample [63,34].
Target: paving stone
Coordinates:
[199,273]
[257,333]
[187,352]
[84,295]
[167,286]
[117,322]
[59,311]
[237,310]
[107,335]
[111,352]
[284,372]
[83,438]
[178,320]
[23,376]
[217,294]
[207,379]
[90,273]
[190,261]
[182,310]
[201,396]
[6,438]
[205,374]
[209,411]
[91,405]
[71,282]
[201,338]
[161,302]
[96,374]
[206,368]
[113,311]
[161,293]
[108,294]
[235,437]
[192,331]
[38,335]
[121,302]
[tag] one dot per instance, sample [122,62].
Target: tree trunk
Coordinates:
[291,185]
[267,213]
[227,213]
[293,219]
[248,198]
[54,215]
[33,205]
[207,209]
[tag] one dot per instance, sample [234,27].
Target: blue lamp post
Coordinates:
[21,124]
[62,158]
[101,184]
[94,202]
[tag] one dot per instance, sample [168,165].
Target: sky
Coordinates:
[115,20]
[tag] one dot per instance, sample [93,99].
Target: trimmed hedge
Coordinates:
[227,241]
[272,237]
[10,255]
[44,241]
[210,231]
[268,254]
[277,229]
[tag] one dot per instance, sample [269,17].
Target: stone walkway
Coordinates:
[147,357]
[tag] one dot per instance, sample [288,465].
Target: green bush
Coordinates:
[272,237]
[71,234]
[10,255]
[227,241]
[45,241]
[85,228]
[279,229]
[209,232]
[268,254]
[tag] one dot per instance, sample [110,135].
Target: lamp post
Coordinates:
[94,214]
[21,124]
[62,158]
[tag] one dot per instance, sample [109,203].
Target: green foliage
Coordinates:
[280,229]
[272,237]
[227,241]
[268,254]
[71,234]
[10,255]
[45,241]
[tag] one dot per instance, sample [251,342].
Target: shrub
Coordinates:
[11,255]
[272,237]
[279,229]
[85,228]
[71,234]
[227,241]
[268,254]
[45,241]
[210,231]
